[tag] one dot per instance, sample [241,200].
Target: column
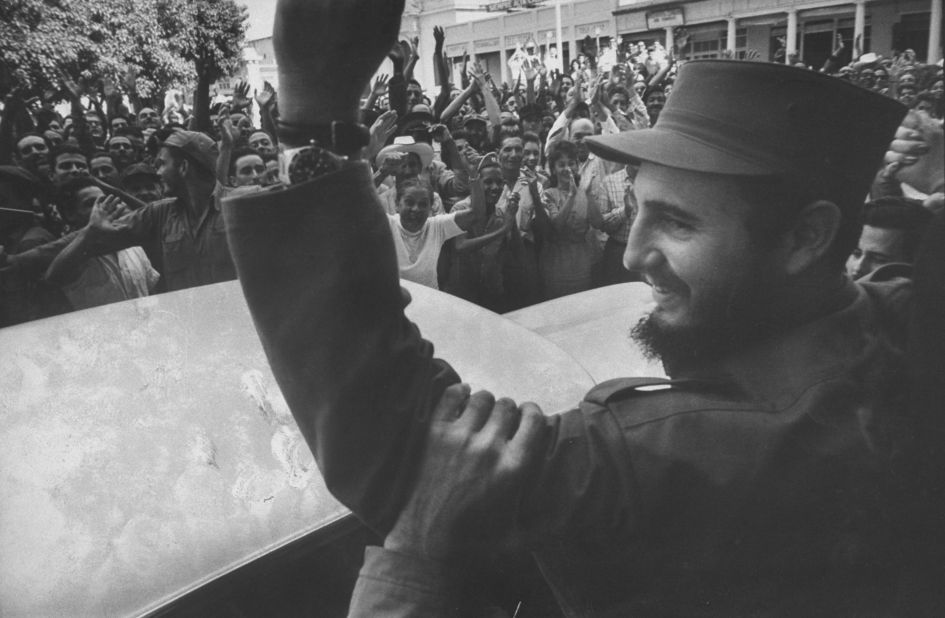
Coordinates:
[791,37]
[859,29]
[503,61]
[730,39]
[670,41]
[935,33]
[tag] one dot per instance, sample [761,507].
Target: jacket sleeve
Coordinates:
[395,585]
[319,272]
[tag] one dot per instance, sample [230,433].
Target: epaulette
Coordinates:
[888,272]
[624,388]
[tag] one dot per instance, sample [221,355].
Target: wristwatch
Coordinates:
[326,148]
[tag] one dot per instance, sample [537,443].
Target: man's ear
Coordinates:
[183,166]
[811,236]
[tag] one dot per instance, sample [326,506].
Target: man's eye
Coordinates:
[672,224]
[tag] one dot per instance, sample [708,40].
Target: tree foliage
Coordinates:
[157,43]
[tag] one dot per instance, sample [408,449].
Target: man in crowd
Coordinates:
[67,162]
[141,181]
[184,234]
[122,151]
[92,281]
[23,298]
[763,478]
[892,229]
[261,142]
[32,154]
[102,166]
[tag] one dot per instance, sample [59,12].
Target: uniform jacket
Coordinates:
[760,485]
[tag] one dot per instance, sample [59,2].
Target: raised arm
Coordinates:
[67,266]
[354,371]
[457,103]
[477,197]
[228,136]
[492,103]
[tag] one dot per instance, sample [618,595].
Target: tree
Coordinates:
[89,41]
[160,43]
[212,33]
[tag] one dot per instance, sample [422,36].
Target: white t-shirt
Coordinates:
[418,252]
[111,278]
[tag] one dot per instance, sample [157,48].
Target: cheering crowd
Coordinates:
[111,203]
[792,463]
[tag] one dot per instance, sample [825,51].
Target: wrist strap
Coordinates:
[344,138]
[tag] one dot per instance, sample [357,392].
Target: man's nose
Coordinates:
[640,255]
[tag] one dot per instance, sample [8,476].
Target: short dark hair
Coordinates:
[617,89]
[23,136]
[528,136]
[66,194]
[418,182]
[899,213]
[240,152]
[777,200]
[559,150]
[179,156]
[504,132]
[67,148]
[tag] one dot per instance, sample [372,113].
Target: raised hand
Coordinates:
[917,154]
[381,130]
[240,99]
[838,45]
[327,51]
[392,163]
[477,72]
[440,133]
[439,36]
[70,85]
[228,133]
[105,215]
[397,57]
[380,85]
[267,97]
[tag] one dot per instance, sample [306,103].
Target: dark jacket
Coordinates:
[761,485]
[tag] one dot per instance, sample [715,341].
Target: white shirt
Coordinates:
[111,278]
[418,252]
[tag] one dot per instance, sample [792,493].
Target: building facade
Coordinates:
[805,27]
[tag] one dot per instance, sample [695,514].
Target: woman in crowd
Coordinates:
[482,254]
[419,237]
[567,211]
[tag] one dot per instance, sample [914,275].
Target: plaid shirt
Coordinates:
[616,222]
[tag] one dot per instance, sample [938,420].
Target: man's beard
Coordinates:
[732,322]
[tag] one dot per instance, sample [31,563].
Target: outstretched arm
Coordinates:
[67,266]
